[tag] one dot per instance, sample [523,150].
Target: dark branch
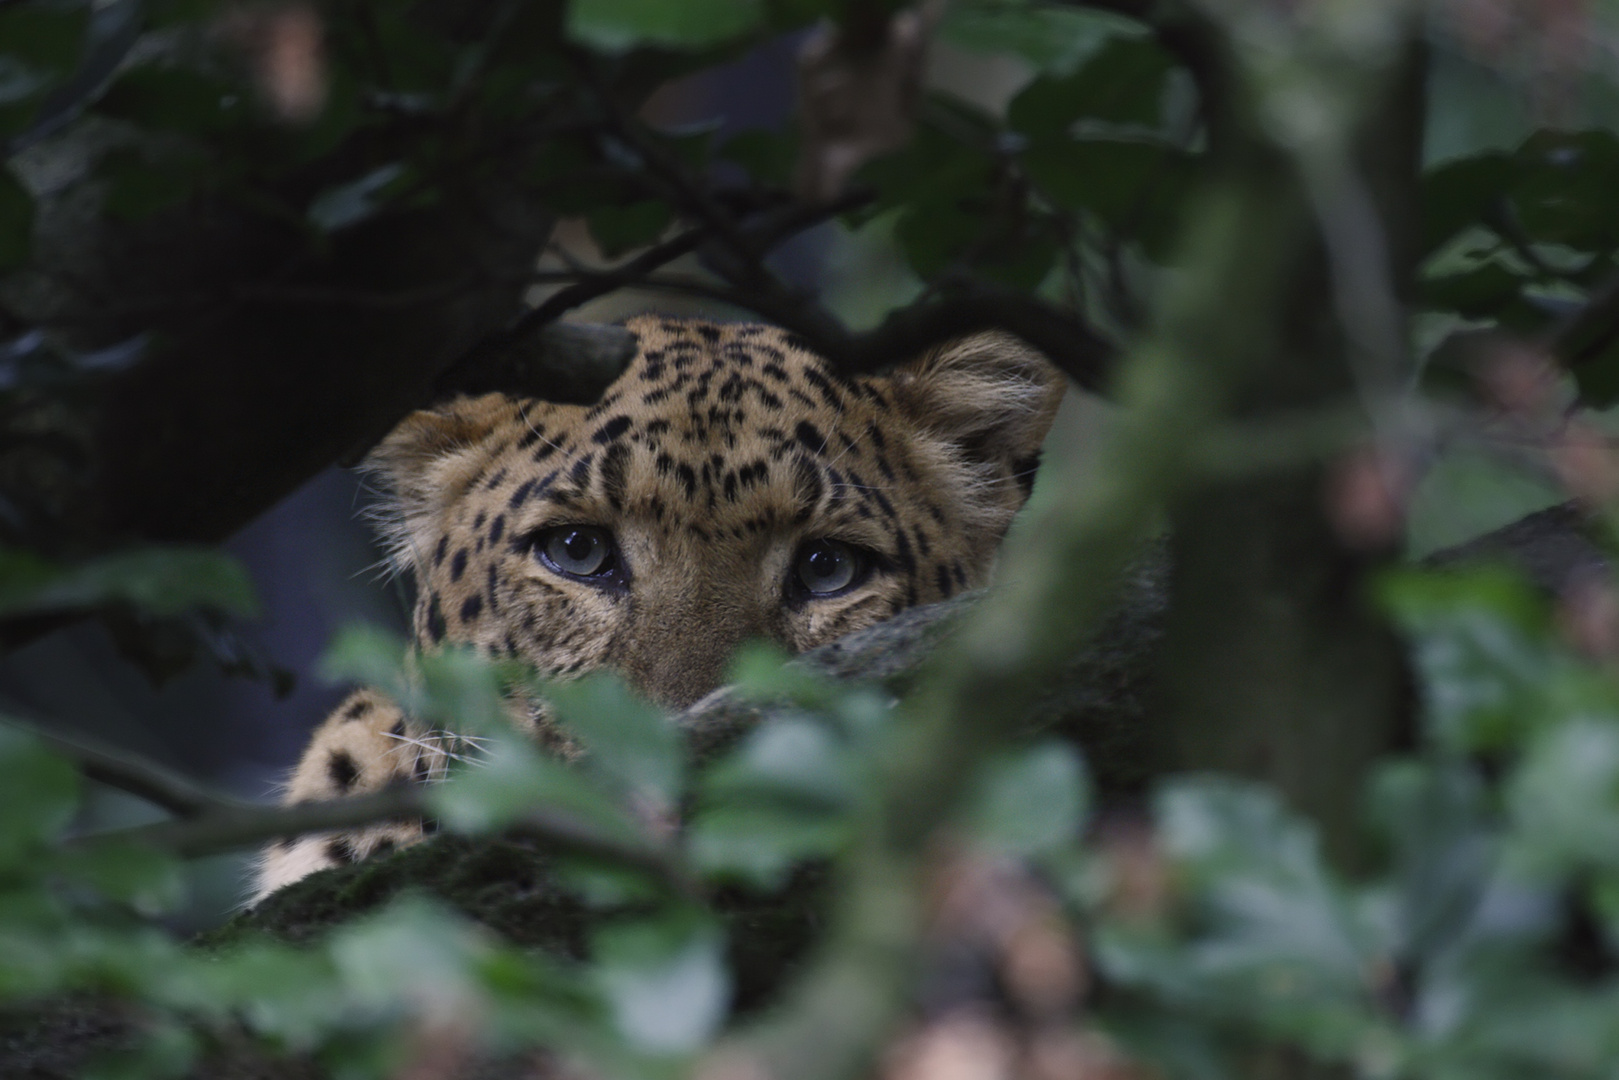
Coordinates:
[160,786]
[225,827]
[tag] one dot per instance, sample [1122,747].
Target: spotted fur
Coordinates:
[720,452]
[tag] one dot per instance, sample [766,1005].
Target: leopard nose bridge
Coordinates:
[683,655]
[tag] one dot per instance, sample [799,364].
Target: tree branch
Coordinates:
[158,785]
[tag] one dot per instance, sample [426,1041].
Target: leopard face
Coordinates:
[729,486]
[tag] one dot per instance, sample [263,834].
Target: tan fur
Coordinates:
[718,453]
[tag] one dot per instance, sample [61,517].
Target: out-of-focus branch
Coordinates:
[226,825]
[160,786]
[1249,231]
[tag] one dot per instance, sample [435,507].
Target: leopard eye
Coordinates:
[826,567]
[581,551]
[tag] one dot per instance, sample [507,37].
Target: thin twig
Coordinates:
[157,784]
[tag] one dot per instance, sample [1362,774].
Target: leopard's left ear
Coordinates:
[989,394]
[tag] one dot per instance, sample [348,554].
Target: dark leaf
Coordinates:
[1122,84]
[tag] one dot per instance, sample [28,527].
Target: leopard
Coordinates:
[729,486]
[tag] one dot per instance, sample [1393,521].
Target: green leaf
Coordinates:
[16,222]
[1564,191]
[1134,185]
[758,845]
[1480,293]
[617,229]
[162,581]
[1457,193]
[787,758]
[1032,802]
[412,954]
[1050,38]
[511,778]
[666,980]
[37,800]
[631,742]
[148,880]
[1564,799]
[356,201]
[1123,83]
[1479,639]
[620,25]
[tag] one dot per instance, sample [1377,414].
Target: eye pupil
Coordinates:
[827,566]
[577,551]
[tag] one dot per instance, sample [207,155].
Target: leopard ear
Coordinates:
[990,395]
[426,463]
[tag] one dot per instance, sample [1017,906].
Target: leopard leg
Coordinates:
[365,745]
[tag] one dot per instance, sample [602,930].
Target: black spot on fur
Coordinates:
[435,621]
[611,430]
[398,730]
[810,438]
[688,479]
[471,608]
[807,489]
[520,494]
[494,581]
[341,852]
[357,710]
[340,769]
[458,565]
[580,473]
[943,578]
[497,529]
[615,464]
[438,552]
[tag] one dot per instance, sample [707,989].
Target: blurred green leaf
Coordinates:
[1564,798]
[666,980]
[786,758]
[511,777]
[1123,83]
[1032,802]
[619,25]
[356,201]
[628,740]
[37,799]
[1134,185]
[1479,638]
[161,581]
[148,880]
[1048,37]
[1457,193]
[759,845]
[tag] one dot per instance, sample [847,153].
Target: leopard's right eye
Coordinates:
[578,551]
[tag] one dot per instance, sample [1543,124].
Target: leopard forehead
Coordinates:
[719,450]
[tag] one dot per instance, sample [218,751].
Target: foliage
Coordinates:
[1479,938]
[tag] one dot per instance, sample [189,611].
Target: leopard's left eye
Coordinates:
[827,567]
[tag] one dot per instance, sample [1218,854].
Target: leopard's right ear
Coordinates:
[428,462]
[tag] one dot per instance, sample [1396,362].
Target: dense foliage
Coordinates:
[1139,196]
